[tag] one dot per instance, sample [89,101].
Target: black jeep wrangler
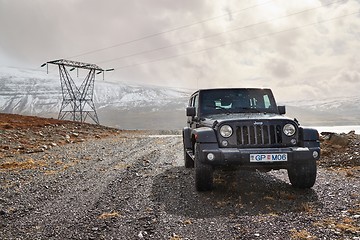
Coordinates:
[244,128]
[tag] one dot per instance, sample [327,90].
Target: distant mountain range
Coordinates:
[125,106]
[326,111]
[120,105]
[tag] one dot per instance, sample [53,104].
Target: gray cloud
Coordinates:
[280,68]
[312,58]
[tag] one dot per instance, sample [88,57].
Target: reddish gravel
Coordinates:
[28,134]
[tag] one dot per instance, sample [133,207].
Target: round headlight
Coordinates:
[289,129]
[226,131]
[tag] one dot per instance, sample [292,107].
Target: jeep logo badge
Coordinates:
[258,123]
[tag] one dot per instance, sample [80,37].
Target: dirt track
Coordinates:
[132,185]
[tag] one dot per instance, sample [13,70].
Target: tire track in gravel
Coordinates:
[130,193]
[63,204]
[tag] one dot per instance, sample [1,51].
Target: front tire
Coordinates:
[203,172]
[302,173]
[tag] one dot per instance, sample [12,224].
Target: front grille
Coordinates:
[259,135]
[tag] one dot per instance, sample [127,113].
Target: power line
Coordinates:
[236,42]
[168,31]
[218,34]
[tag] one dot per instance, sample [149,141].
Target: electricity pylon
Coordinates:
[77,103]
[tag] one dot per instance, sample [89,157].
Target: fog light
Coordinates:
[293,141]
[315,154]
[225,143]
[210,156]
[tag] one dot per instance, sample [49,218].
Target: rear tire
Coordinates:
[203,173]
[302,174]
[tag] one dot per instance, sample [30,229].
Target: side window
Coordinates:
[191,102]
[196,102]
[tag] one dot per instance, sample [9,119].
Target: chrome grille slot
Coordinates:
[258,134]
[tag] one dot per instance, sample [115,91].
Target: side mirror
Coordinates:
[281,110]
[190,111]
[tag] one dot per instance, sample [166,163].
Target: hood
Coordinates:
[219,118]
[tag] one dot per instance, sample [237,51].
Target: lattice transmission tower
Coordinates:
[77,103]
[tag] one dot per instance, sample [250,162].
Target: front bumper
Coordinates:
[241,157]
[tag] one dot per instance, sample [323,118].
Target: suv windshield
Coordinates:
[220,101]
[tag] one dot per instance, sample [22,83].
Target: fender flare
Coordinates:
[204,135]
[187,137]
[309,137]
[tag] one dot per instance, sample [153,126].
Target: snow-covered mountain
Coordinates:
[326,111]
[31,92]
[34,92]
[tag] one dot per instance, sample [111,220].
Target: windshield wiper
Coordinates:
[250,109]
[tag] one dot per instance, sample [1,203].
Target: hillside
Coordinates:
[27,134]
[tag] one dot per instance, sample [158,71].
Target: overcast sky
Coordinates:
[300,49]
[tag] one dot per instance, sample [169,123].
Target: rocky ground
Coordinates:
[65,180]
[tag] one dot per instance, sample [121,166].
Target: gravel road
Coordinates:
[134,186]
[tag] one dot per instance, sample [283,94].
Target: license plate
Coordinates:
[268,157]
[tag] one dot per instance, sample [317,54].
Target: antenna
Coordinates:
[77,103]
